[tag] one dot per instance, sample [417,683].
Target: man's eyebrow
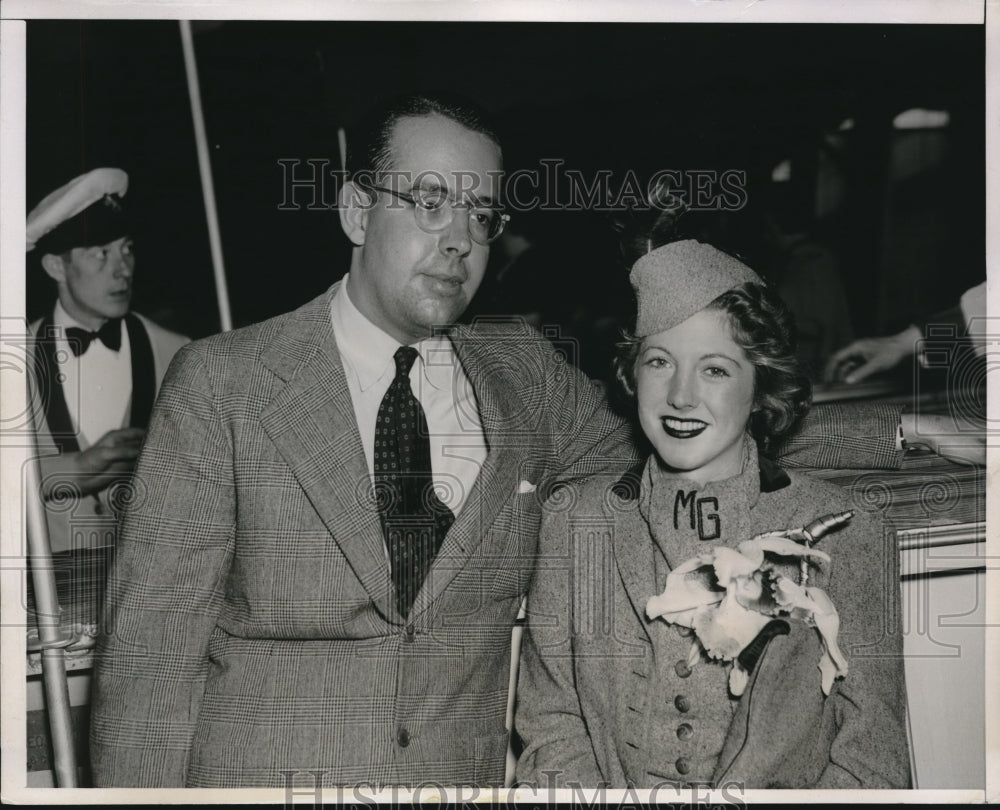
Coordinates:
[476,201]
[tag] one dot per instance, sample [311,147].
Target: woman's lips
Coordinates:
[682,428]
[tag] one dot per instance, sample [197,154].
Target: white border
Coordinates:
[755,11]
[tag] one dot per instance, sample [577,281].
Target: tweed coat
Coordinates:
[76,522]
[251,630]
[607,696]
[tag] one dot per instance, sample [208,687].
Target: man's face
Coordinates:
[403,279]
[97,282]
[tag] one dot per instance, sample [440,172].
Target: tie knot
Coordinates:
[405,357]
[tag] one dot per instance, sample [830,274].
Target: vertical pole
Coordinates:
[49,631]
[205,169]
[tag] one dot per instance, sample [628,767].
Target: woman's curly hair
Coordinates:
[762,326]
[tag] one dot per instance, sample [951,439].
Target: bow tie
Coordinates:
[110,335]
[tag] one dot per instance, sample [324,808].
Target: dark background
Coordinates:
[909,236]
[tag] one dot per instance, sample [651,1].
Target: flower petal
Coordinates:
[725,631]
[730,564]
[738,678]
[683,595]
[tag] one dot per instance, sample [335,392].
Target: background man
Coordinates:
[98,364]
[343,504]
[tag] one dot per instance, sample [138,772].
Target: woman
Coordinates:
[608,694]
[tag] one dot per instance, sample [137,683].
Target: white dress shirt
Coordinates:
[458,444]
[97,384]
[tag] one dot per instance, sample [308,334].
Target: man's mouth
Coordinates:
[445,284]
[682,428]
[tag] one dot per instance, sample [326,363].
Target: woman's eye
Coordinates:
[656,362]
[716,371]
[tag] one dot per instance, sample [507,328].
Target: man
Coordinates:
[98,364]
[297,599]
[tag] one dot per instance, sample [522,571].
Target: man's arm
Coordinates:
[844,436]
[165,590]
[110,459]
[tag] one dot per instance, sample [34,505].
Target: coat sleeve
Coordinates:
[588,437]
[870,749]
[845,436]
[165,589]
[549,718]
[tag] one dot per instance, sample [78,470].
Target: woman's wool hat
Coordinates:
[677,280]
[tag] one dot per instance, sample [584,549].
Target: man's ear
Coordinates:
[54,266]
[354,205]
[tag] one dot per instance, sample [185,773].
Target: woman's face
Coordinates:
[695,390]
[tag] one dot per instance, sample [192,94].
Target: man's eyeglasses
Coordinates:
[434,211]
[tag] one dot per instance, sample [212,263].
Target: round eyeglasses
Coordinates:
[434,211]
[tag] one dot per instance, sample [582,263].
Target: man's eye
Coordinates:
[431,199]
[484,216]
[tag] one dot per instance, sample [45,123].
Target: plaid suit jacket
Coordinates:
[251,637]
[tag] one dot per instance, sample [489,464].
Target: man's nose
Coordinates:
[124,266]
[682,393]
[456,240]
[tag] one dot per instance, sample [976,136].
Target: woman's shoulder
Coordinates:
[805,498]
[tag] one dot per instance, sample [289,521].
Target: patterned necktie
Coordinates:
[110,335]
[414,520]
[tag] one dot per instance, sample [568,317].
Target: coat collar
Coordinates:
[634,547]
[311,422]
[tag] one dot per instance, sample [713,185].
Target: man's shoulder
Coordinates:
[514,341]
[251,340]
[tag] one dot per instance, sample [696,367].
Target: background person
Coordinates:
[861,359]
[98,364]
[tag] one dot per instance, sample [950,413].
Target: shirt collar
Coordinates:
[60,317]
[368,350]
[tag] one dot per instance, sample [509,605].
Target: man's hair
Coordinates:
[762,326]
[368,149]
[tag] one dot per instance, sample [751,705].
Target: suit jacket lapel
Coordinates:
[635,554]
[311,422]
[499,405]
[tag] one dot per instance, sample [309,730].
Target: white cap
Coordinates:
[77,195]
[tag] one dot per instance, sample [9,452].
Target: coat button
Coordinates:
[682,766]
[685,731]
[98,508]
[403,737]
[682,669]
[682,704]
[410,631]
